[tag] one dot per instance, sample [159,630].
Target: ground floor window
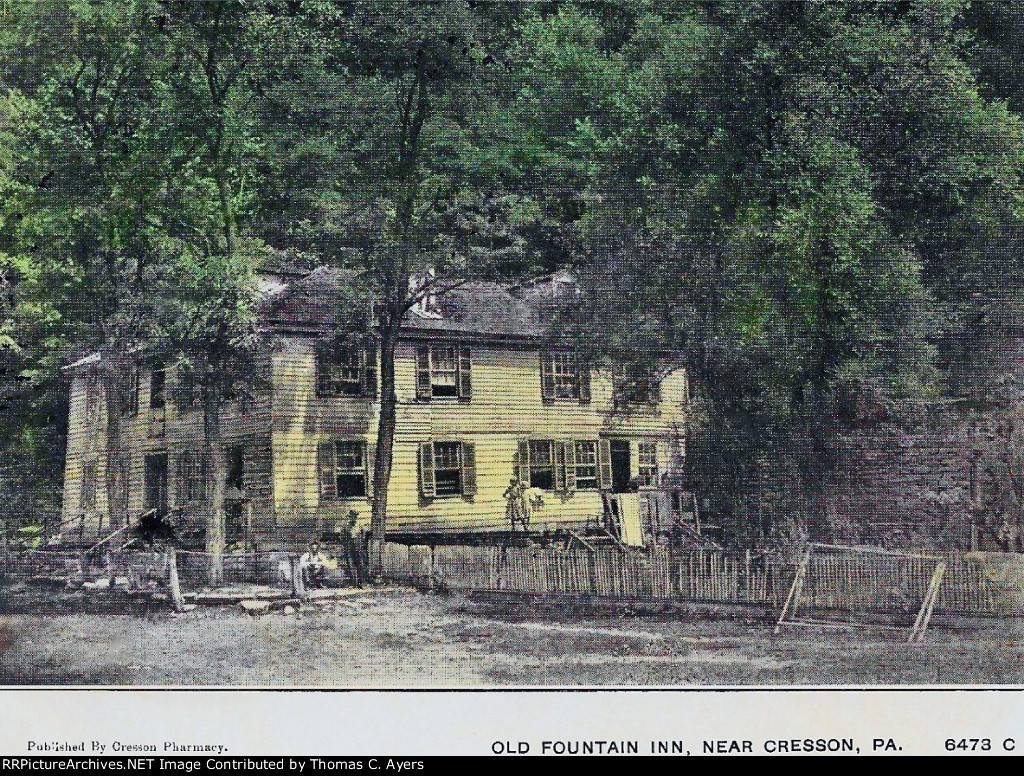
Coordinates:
[447,468]
[87,498]
[344,469]
[586,465]
[647,455]
[542,465]
[351,474]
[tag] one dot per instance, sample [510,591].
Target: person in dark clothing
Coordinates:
[353,550]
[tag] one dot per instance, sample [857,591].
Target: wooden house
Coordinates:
[483,394]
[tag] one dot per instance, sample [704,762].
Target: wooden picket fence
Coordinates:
[835,581]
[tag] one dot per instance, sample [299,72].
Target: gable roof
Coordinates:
[481,308]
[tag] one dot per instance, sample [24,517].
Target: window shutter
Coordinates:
[558,461]
[570,466]
[368,454]
[423,372]
[523,469]
[180,473]
[583,382]
[465,383]
[468,469]
[604,464]
[370,372]
[326,466]
[427,486]
[547,376]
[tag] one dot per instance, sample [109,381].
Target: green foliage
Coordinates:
[813,207]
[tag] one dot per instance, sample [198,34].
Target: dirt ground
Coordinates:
[407,639]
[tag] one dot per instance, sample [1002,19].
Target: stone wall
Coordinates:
[929,483]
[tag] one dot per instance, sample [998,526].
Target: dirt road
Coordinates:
[408,639]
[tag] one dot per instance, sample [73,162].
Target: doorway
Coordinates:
[620,465]
[156,484]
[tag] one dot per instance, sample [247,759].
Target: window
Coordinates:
[542,465]
[191,477]
[447,469]
[351,469]
[345,468]
[342,370]
[130,393]
[443,372]
[236,468]
[586,466]
[157,386]
[563,377]
[92,399]
[87,498]
[648,462]
[564,466]
[636,387]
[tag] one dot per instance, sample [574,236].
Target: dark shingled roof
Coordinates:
[479,307]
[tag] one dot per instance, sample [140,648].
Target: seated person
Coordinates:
[313,566]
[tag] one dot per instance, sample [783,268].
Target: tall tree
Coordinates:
[783,194]
[398,137]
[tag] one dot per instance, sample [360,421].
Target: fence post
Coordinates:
[746,574]
[172,578]
[501,566]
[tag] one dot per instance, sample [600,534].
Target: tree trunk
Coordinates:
[385,444]
[215,486]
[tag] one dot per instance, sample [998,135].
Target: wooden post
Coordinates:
[172,578]
[793,600]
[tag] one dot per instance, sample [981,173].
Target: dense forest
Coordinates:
[815,207]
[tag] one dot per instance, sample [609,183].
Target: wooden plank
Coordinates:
[794,590]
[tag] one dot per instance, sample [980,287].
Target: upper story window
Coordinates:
[634,387]
[343,370]
[447,469]
[130,392]
[562,376]
[92,398]
[443,372]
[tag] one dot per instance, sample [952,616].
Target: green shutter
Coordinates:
[604,464]
[570,466]
[423,372]
[547,376]
[465,383]
[427,486]
[523,462]
[327,469]
[468,469]
[558,463]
